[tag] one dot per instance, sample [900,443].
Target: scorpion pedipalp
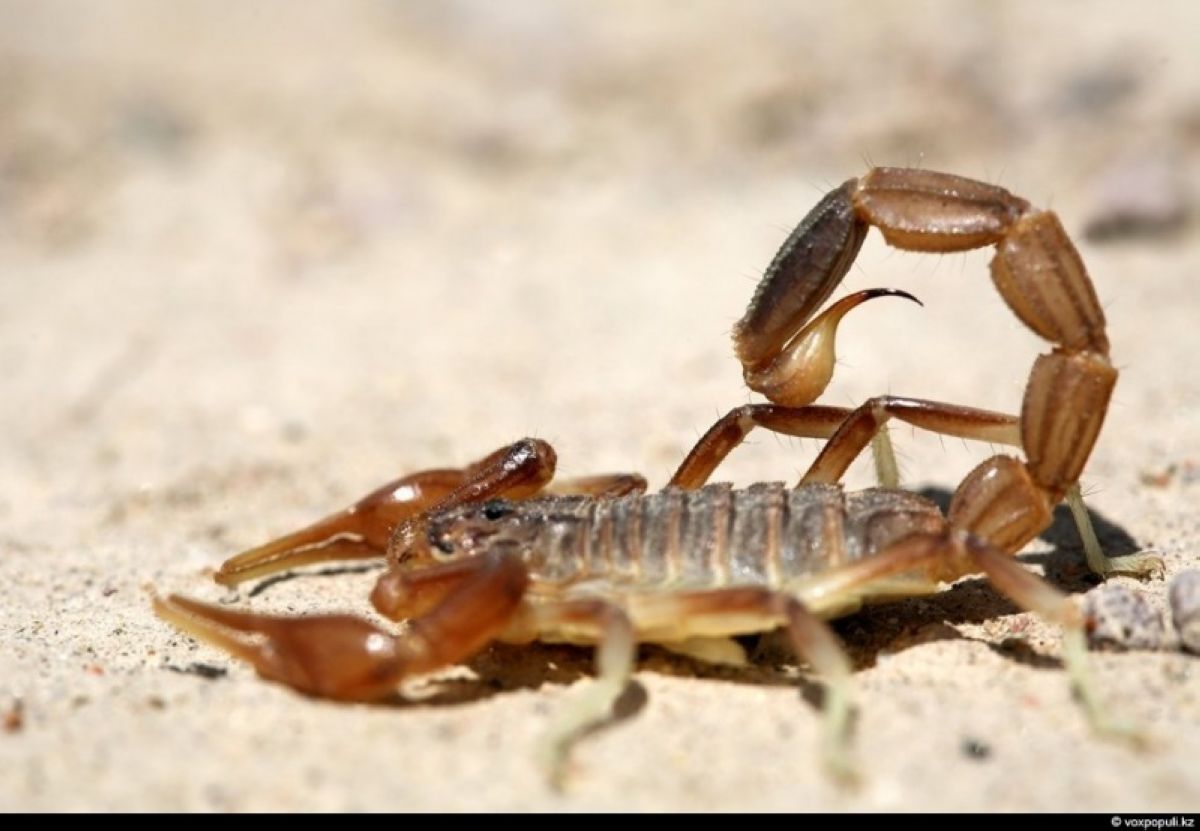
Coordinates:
[347,658]
[360,531]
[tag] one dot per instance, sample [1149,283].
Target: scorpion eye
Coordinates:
[438,541]
[496,509]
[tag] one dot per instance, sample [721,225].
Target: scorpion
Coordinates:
[496,551]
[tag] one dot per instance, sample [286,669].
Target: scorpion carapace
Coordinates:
[496,551]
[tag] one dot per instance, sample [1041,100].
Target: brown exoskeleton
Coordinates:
[494,551]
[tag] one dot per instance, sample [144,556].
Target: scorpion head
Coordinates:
[479,528]
[443,537]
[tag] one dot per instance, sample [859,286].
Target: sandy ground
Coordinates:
[257,258]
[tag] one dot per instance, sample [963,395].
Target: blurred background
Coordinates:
[257,257]
[380,224]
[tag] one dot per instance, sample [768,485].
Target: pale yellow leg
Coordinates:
[608,626]
[755,609]
[1143,564]
[887,472]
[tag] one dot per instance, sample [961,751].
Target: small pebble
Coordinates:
[1184,595]
[14,719]
[1120,618]
[206,671]
[1141,196]
[976,749]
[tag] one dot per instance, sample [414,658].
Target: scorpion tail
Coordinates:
[803,367]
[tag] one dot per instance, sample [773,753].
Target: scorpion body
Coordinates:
[497,551]
[716,537]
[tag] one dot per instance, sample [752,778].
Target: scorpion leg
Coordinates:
[670,618]
[812,422]
[849,432]
[589,621]
[861,426]
[346,658]
[603,486]
[925,560]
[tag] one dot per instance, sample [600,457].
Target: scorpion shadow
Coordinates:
[886,628]
[1065,566]
[894,626]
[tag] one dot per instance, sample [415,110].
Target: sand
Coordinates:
[256,260]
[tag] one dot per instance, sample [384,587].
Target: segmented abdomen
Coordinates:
[716,536]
